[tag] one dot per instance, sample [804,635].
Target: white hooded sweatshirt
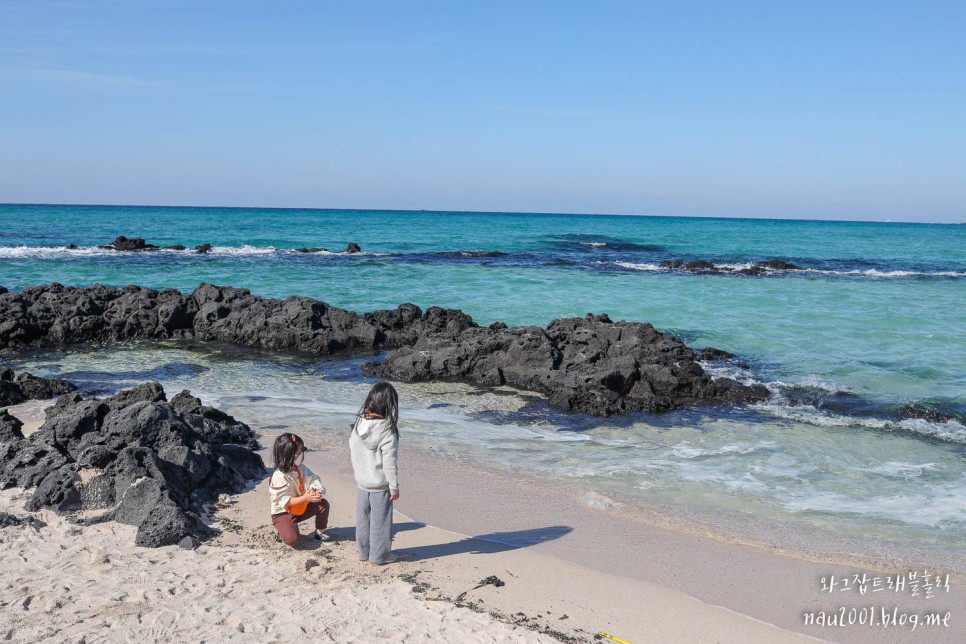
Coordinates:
[373,447]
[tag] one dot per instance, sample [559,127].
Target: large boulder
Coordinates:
[123,243]
[29,387]
[148,462]
[591,365]
[35,388]
[10,427]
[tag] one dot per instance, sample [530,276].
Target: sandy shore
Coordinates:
[569,573]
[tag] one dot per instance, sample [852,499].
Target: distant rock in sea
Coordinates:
[704,267]
[136,244]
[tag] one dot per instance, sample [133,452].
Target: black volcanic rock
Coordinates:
[311,250]
[921,411]
[779,265]
[129,244]
[704,267]
[123,243]
[10,427]
[691,267]
[11,393]
[591,365]
[29,387]
[8,520]
[353,248]
[151,463]
[719,355]
[36,388]
[710,353]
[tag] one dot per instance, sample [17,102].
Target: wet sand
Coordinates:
[772,585]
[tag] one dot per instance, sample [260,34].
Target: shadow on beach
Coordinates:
[480,544]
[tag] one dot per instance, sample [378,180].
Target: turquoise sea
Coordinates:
[871,324]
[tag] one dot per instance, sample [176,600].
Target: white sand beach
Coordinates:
[63,582]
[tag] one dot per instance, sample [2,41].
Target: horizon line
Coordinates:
[490,212]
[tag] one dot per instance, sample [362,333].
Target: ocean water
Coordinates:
[873,321]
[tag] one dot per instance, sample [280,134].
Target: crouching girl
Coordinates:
[296,492]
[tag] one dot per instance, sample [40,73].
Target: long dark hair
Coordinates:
[283,452]
[382,401]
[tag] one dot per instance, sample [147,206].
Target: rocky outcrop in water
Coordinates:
[351,249]
[133,244]
[708,268]
[136,244]
[133,458]
[924,411]
[24,387]
[55,315]
[591,365]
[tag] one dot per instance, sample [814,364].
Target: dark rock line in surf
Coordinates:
[591,365]
[137,244]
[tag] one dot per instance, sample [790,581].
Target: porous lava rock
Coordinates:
[591,365]
[133,458]
[29,387]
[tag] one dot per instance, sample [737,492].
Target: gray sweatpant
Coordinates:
[373,525]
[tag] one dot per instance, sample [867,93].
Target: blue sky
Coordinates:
[824,110]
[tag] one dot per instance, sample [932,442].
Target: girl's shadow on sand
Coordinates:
[480,544]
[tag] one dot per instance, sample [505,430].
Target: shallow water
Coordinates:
[871,321]
[722,468]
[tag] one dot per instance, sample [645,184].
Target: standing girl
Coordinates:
[373,445]
[296,493]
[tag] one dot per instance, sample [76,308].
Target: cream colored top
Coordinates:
[284,486]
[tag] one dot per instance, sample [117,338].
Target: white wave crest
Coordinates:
[50,252]
[245,250]
[895,469]
[942,506]
[688,451]
[875,273]
[952,430]
[637,267]
[734,267]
